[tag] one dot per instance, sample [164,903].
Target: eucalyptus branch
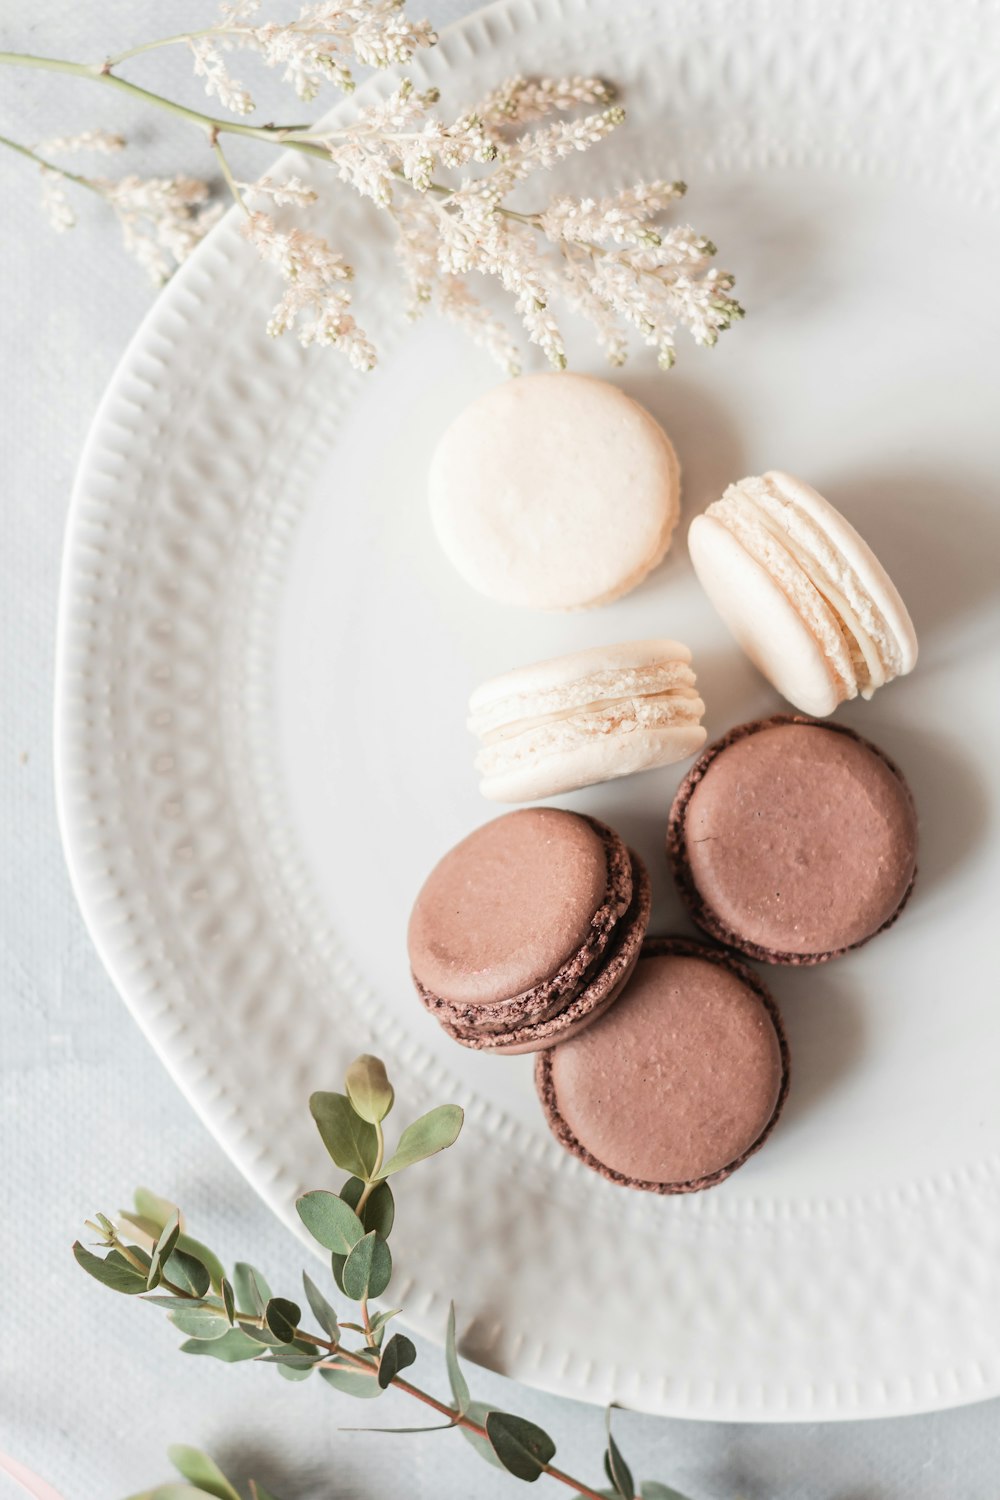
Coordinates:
[148,1253]
[600,257]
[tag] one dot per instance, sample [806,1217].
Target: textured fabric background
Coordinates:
[91,1390]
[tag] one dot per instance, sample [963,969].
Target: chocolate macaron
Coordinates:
[793,841]
[526,931]
[680,1083]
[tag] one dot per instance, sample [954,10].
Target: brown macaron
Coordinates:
[527,930]
[680,1083]
[793,840]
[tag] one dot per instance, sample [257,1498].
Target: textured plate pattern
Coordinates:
[179,691]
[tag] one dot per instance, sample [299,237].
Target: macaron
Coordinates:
[680,1083]
[802,592]
[585,718]
[526,931]
[554,491]
[793,841]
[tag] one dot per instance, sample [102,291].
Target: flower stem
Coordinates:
[230,179]
[47,166]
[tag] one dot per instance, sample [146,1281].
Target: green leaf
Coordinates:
[171,1491]
[433,1132]
[202,1471]
[293,1372]
[159,1211]
[380,1210]
[397,1355]
[229,1301]
[650,1490]
[378,1320]
[282,1318]
[615,1466]
[291,1358]
[207,1257]
[233,1346]
[478,1411]
[521,1447]
[337,1264]
[368,1268]
[114,1271]
[167,1299]
[352,1383]
[321,1309]
[261,1336]
[162,1251]
[369,1089]
[351,1141]
[186,1271]
[330,1220]
[252,1291]
[457,1381]
[200,1322]
[435,1427]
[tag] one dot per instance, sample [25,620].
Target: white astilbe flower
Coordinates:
[522,100]
[455,302]
[622,218]
[538,150]
[210,64]
[319,46]
[318,296]
[101,141]
[161,218]
[292,190]
[54,201]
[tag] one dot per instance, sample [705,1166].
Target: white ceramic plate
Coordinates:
[264,662]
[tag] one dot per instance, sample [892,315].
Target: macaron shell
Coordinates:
[859,557]
[792,868]
[554,491]
[508,906]
[586,760]
[763,620]
[606,984]
[681,1083]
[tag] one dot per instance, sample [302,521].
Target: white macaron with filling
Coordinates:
[584,718]
[802,592]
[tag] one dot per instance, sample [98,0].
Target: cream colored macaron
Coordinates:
[554,492]
[585,718]
[802,592]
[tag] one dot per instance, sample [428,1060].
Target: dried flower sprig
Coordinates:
[447,185]
[234,1318]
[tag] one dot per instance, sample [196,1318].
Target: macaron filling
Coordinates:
[680,1083]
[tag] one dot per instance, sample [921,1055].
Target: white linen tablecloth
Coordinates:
[91,1388]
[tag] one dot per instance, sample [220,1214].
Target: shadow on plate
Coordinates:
[824,1020]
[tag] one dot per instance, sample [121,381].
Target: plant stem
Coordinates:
[373,1178]
[228,175]
[163,41]
[47,166]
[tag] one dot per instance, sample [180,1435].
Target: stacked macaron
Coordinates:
[661,1063]
[528,929]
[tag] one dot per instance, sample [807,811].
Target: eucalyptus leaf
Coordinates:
[368,1268]
[229,1301]
[202,1471]
[398,1354]
[433,1132]
[330,1220]
[200,1322]
[114,1271]
[162,1251]
[368,1088]
[478,1411]
[208,1258]
[457,1381]
[291,1359]
[618,1471]
[170,1491]
[158,1211]
[522,1448]
[321,1309]
[380,1209]
[353,1383]
[282,1318]
[435,1427]
[351,1141]
[260,1335]
[186,1271]
[337,1263]
[167,1299]
[231,1348]
[378,1320]
[252,1291]
[293,1372]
